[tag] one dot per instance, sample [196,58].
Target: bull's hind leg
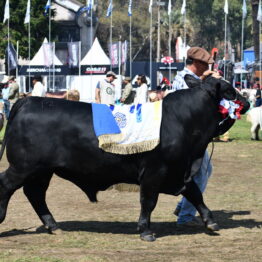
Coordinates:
[35,191]
[10,181]
[194,195]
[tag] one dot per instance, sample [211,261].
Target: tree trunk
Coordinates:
[256,33]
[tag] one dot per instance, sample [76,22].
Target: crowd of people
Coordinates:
[10,93]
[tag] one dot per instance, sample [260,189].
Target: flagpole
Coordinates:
[29,54]
[79,59]
[8,39]
[53,67]
[130,45]
[259,18]
[225,47]
[49,40]
[169,43]
[91,40]
[119,55]
[242,48]
[185,31]
[111,25]
[17,57]
[150,63]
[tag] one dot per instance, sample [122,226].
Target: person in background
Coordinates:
[5,96]
[72,95]
[38,87]
[105,89]
[197,65]
[153,97]
[13,91]
[258,96]
[127,96]
[142,90]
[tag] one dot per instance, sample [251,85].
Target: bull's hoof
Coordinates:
[54,230]
[212,227]
[58,232]
[148,236]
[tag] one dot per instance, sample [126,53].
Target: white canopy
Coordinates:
[39,58]
[95,56]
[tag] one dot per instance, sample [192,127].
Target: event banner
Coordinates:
[118,53]
[49,53]
[73,54]
[43,70]
[94,70]
[11,57]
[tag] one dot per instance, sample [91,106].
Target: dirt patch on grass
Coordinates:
[106,231]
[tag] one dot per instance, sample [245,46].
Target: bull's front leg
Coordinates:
[148,200]
[194,195]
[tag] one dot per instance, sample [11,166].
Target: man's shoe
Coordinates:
[192,223]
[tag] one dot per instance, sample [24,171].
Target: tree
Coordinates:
[19,30]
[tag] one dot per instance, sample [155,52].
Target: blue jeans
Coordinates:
[187,210]
[6,108]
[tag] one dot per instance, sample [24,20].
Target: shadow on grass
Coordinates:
[162,229]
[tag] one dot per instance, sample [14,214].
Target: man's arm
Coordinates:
[97,96]
[14,88]
[126,92]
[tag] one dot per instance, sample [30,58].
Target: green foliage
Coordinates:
[19,30]
[241,131]
[205,25]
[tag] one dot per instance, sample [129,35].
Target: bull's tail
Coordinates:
[16,107]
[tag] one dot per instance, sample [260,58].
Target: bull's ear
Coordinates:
[192,81]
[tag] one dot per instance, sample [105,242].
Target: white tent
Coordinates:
[86,85]
[39,58]
[95,56]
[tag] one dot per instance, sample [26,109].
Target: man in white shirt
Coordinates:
[105,90]
[38,89]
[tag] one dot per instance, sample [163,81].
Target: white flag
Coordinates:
[129,11]
[150,6]
[259,12]
[183,8]
[27,16]
[169,9]
[7,11]
[89,5]
[109,9]
[226,7]
[244,9]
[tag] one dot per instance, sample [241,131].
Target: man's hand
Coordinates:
[212,73]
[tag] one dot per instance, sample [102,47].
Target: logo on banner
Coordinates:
[95,70]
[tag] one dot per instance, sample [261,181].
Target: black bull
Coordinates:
[46,136]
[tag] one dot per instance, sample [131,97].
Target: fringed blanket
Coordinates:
[139,125]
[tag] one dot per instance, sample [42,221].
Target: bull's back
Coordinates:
[47,130]
[58,135]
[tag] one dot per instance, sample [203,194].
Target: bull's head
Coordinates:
[217,88]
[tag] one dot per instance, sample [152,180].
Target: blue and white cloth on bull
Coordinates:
[140,128]
[104,122]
